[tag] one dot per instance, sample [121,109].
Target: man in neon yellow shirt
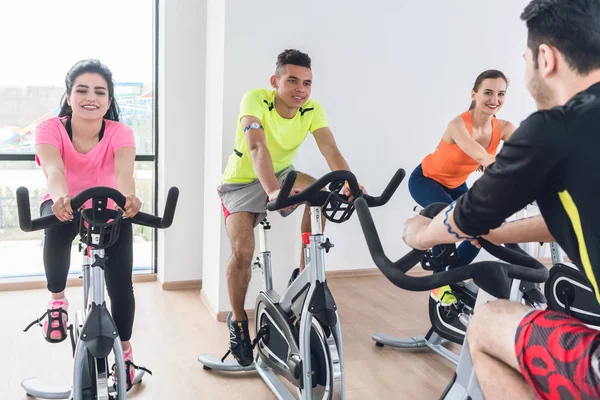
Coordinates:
[272,124]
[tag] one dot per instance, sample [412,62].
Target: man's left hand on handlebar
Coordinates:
[491,237]
[347,192]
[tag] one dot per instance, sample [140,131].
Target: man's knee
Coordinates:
[479,328]
[241,233]
[304,180]
[241,255]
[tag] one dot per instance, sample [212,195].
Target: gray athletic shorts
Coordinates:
[249,197]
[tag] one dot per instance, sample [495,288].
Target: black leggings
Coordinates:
[117,274]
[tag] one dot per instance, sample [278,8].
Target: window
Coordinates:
[51,40]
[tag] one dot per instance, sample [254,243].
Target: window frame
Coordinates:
[141,157]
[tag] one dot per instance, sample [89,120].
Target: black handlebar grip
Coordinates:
[24,211]
[98,191]
[170,206]
[153,221]
[149,220]
[433,209]
[23,208]
[27,225]
[284,192]
[46,222]
[388,192]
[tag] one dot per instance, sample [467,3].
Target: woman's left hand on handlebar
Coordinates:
[132,205]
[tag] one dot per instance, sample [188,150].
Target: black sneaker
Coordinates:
[239,341]
[295,274]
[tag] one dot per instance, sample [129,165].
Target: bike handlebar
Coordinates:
[519,265]
[28,225]
[312,191]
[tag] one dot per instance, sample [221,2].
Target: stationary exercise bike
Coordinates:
[95,333]
[496,280]
[446,326]
[569,291]
[449,323]
[298,335]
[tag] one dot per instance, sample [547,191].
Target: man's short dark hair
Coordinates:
[571,26]
[292,57]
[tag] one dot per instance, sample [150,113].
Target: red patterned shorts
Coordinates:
[559,356]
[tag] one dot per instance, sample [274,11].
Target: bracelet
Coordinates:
[450,231]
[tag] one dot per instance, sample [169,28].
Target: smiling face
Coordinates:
[89,98]
[490,95]
[292,85]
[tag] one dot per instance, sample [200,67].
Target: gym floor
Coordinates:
[172,328]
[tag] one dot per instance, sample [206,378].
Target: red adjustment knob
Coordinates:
[306,237]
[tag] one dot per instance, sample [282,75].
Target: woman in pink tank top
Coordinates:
[87,146]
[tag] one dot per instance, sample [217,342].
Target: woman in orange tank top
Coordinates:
[469,143]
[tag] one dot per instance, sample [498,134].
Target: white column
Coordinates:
[214,231]
[181,102]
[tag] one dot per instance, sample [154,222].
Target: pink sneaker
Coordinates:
[131,368]
[54,321]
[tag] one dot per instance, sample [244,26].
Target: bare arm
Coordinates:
[427,233]
[328,147]
[54,169]
[507,130]
[527,230]
[56,181]
[333,156]
[261,157]
[470,146]
[124,164]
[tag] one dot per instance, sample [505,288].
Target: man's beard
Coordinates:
[541,92]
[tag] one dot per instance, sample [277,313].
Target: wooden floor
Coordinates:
[172,328]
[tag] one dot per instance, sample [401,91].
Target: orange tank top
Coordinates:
[451,166]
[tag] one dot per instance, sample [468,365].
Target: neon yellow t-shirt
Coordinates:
[283,135]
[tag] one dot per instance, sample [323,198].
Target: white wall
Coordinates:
[181,68]
[394,86]
[390,76]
